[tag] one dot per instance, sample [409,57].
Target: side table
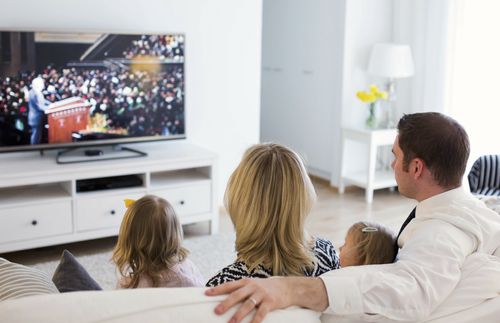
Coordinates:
[370,179]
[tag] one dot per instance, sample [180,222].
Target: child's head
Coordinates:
[149,240]
[268,198]
[367,244]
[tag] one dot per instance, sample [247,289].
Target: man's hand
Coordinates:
[268,294]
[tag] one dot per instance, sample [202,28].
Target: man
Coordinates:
[37,105]
[447,226]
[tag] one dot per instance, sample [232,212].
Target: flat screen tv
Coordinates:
[65,90]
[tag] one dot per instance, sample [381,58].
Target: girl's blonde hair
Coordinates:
[374,243]
[268,198]
[149,240]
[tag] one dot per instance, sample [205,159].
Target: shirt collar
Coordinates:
[442,199]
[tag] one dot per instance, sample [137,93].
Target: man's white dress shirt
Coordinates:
[447,229]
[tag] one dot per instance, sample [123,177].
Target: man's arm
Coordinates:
[428,270]
[270,294]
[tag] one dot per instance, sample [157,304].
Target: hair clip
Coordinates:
[128,202]
[369,229]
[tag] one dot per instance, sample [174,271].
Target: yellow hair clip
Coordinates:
[128,202]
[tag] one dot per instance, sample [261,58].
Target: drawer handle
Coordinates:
[34,222]
[113,212]
[182,202]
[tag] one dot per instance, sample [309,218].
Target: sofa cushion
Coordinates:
[18,281]
[71,276]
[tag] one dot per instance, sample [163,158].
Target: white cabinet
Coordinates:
[189,200]
[40,204]
[95,212]
[301,78]
[187,190]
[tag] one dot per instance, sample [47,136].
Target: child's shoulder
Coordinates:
[182,274]
[186,266]
[144,282]
[185,263]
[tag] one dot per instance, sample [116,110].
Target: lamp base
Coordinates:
[389,106]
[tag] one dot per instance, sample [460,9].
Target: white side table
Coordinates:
[370,179]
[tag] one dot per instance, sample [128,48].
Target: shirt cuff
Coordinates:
[344,296]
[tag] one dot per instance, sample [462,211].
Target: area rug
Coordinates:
[210,253]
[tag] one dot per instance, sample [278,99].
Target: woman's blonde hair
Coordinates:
[268,198]
[149,241]
[373,243]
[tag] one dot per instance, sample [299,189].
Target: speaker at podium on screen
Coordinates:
[67,116]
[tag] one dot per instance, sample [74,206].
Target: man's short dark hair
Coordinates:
[439,141]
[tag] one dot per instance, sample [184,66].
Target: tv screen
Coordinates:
[70,89]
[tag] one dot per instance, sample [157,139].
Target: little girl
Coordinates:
[149,252]
[367,244]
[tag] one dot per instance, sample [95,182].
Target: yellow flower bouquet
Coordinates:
[372,97]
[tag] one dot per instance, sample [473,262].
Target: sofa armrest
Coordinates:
[132,305]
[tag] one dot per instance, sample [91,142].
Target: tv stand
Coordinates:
[90,154]
[43,203]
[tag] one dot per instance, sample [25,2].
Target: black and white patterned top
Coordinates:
[326,260]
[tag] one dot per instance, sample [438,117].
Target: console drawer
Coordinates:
[188,200]
[102,212]
[31,222]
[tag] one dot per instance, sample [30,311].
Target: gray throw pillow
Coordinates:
[70,276]
[18,281]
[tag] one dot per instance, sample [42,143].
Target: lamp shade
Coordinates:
[391,60]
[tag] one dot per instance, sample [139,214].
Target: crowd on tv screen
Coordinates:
[141,102]
[160,46]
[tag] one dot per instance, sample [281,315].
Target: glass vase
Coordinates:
[371,121]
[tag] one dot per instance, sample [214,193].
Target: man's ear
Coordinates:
[417,166]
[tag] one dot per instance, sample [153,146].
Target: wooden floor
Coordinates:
[330,218]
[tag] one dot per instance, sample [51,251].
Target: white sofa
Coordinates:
[176,305]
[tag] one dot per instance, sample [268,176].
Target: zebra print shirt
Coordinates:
[326,260]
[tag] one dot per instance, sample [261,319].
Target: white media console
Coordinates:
[41,206]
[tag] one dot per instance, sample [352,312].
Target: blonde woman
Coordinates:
[149,250]
[268,198]
[367,243]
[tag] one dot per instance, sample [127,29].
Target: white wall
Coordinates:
[223,46]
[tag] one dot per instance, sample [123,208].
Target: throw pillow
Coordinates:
[18,281]
[71,276]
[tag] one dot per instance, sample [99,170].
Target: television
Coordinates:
[67,90]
